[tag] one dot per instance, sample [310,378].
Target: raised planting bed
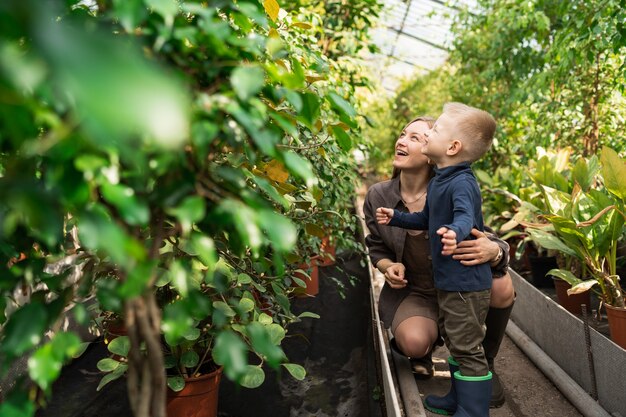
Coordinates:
[595,363]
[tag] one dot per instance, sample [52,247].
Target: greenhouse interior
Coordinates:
[364,208]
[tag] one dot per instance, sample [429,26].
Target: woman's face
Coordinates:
[409,147]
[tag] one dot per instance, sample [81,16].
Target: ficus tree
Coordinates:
[172,160]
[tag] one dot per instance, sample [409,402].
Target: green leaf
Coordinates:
[262,343]
[119,346]
[549,241]
[205,249]
[117,373]
[224,308]
[244,279]
[136,280]
[130,13]
[280,230]
[583,173]
[297,371]
[98,232]
[247,81]
[192,334]
[44,366]
[190,359]
[244,220]
[166,8]
[24,329]
[169,361]
[253,377]
[192,209]
[17,404]
[340,105]
[265,319]
[565,276]
[176,383]
[90,66]
[308,314]
[343,139]
[614,172]
[66,345]
[246,305]
[107,364]
[276,332]
[578,285]
[310,109]
[300,167]
[176,322]
[133,211]
[178,278]
[558,202]
[230,352]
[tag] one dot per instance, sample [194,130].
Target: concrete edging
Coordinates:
[587,406]
[592,362]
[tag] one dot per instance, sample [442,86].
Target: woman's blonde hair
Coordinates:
[430,121]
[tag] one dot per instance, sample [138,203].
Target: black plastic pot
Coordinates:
[539,267]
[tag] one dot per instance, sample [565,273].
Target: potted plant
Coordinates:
[589,226]
[219,323]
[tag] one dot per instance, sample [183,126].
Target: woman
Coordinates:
[408,302]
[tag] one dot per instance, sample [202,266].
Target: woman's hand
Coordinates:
[394,275]
[478,251]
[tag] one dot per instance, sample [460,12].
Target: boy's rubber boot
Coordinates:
[473,394]
[496,321]
[447,404]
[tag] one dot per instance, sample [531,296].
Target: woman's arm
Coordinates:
[376,246]
[380,253]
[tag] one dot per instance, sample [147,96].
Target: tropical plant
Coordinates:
[588,224]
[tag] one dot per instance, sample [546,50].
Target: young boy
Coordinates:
[460,136]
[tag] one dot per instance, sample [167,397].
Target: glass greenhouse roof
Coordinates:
[413,37]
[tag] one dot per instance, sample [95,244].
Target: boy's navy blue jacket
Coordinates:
[453,201]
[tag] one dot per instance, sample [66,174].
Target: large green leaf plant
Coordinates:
[587,223]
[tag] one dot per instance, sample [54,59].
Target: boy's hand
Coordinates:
[448,240]
[384,215]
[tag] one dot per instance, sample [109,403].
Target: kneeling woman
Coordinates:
[408,301]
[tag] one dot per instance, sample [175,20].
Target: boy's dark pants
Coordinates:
[462,326]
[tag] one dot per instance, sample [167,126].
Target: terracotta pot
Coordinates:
[113,330]
[312,281]
[571,303]
[617,324]
[327,253]
[198,398]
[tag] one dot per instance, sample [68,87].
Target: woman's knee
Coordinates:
[415,340]
[502,292]
[413,345]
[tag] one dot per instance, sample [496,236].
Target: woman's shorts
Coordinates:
[416,305]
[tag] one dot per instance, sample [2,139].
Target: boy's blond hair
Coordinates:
[475,128]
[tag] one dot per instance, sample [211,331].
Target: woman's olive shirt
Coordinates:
[385,242]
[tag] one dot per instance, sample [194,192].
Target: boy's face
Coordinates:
[439,138]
